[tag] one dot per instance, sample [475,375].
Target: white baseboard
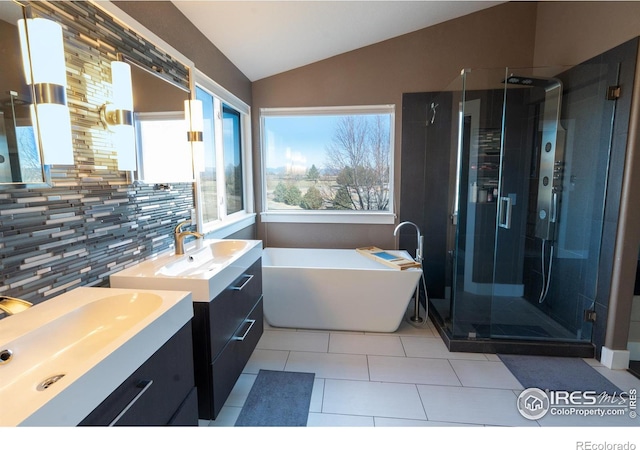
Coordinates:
[615,359]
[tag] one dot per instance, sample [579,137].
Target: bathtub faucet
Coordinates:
[419,239]
[416,316]
[180,235]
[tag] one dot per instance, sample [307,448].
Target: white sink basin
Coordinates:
[70,352]
[206,268]
[207,256]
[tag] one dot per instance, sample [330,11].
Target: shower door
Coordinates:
[533,157]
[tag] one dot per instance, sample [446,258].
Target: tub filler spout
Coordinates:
[419,236]
[420,241]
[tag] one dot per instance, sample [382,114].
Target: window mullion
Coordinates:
[219,145]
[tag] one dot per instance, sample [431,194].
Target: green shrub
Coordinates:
[312,199]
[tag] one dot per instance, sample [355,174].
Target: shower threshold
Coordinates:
[511,346]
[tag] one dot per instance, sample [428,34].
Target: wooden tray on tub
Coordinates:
[389,259]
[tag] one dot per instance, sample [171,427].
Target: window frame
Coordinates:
[329,216]
[226,224]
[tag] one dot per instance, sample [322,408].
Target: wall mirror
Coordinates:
[20,159]
[164,154]
[95,34]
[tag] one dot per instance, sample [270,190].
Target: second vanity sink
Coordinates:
[206,257]
[205,269]
[62,357]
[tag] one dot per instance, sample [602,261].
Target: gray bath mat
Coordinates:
[277,399]
[557,374]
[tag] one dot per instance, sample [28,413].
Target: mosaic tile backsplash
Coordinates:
[92,221]
[55,239]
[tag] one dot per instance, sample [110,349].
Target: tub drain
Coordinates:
[48,382]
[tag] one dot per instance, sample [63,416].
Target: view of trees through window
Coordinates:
[328,162]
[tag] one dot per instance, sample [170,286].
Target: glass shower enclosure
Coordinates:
[530,167]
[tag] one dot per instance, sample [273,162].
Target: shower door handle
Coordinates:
[504,214]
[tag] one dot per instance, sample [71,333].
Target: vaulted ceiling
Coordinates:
[263,38]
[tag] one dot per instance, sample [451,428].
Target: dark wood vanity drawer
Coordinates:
[230,363]
[154,393]
[225,333]
[229,309]
[187,414]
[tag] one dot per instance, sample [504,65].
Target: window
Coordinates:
[328,160]
[224,187]
[232,145]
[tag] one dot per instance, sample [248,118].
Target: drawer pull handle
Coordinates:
[241,338]
[144,384]
[246,281]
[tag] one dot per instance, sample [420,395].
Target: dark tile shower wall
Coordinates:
[92,221]
[424,183]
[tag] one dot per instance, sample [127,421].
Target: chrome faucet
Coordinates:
[418,257]
[10,305]
[180,235]
[416,316]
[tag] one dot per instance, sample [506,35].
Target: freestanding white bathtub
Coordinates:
[334,289]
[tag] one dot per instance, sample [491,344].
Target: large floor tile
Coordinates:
[227,417]
[338,420]
[365,344]
[329,365]
[240,391]
[412,370]
[294,340]
[433,347]
[316,395]
[486,374]
[266,359]
[465,405]
[372,399]
[409,329]
[388,422]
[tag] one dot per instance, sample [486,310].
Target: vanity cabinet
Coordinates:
[160,392]
[226,330]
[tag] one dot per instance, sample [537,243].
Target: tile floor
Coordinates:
[404,379]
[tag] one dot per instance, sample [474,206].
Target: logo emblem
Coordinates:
[533,403]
